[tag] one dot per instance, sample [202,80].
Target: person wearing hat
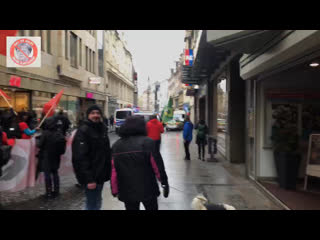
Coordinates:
[91,157]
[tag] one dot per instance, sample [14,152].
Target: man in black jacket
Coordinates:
[63,122]
[91,157]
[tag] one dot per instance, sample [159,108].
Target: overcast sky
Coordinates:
[154,52]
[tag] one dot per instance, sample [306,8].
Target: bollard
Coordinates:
[212,148]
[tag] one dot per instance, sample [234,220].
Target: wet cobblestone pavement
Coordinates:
[220,182]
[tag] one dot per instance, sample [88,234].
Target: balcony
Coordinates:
[242,41]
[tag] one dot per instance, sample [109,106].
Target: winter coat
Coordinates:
[63,123]
[91,153]
[187,131]
[154,129]
[49,159]
[136,166]
[200,139]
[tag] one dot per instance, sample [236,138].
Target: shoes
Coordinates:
[55,194]
[203,159]
[47,196]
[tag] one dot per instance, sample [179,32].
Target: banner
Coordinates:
[167,113]
[20,171]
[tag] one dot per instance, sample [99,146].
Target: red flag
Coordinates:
[52,104]
[3,39]
[5,95]
[15,81]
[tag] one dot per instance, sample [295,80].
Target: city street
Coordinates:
[219,181]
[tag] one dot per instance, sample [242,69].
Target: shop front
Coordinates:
[20,99]
[288,108]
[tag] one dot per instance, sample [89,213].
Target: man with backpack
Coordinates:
[91,157]
[52,145]
[63,122]
[201,141]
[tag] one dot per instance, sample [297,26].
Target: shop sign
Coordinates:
[94,80]
[15,81]
[23,52]
[293,95]
[188,57]
[89,95]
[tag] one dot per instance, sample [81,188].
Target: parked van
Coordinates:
[120,116]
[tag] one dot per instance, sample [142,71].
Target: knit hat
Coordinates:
[92,108]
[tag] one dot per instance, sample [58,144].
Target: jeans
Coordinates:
[186,148]
[151,204]
[94,197]
[201,146]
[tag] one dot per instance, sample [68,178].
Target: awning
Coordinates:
[242,41]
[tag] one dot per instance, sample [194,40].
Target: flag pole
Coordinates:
[8,103]
[53,105]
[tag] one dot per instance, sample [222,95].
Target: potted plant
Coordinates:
[286,154]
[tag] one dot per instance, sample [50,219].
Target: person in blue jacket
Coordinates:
[187,136]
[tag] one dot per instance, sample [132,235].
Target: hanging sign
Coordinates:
[188,57]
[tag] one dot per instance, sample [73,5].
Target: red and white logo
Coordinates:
[23,52]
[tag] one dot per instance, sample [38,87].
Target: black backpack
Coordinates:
[59,142]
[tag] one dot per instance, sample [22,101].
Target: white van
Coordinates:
[120,116]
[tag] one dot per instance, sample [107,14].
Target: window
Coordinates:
[90,60]
[73,49]
[87,58]
[93,62]
[66,44]
[49,41]
[42,43]
[80,52]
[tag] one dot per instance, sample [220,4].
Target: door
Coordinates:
[250,129]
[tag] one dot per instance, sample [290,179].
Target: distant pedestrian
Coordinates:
[136,166]
[111,122]
[52,145]
[106,122]
[201,141]
[187,136]
[154,130]
[91,157]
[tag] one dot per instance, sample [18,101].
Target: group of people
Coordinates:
[51,142]
[132,165]
[201,137]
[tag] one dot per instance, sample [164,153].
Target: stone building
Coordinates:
[69,61]
[119,69]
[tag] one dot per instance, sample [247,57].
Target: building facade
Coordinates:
[69,61]
[120,73]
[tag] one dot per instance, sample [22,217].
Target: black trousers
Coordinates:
[55,180]
[186,148]
[158,143]
[201,148]
[151,204]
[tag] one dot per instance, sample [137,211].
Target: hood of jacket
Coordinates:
[154,121]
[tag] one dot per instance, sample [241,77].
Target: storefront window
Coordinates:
[20,100]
